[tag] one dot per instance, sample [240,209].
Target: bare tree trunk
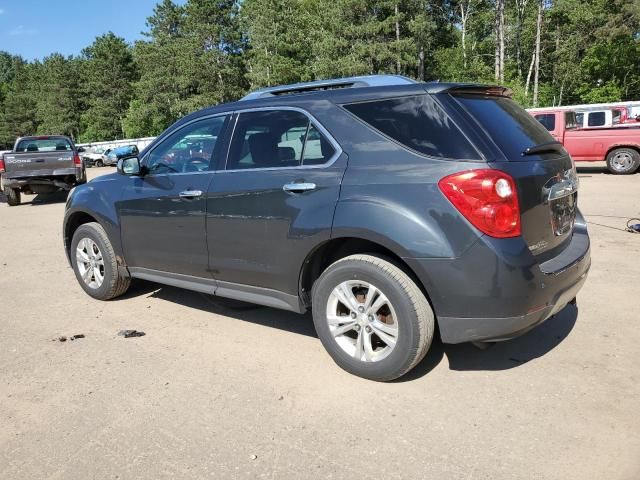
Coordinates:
[464,15]
[537,68]
[526,87]
[398,66]
[421,63]
[499,34]
[521,6]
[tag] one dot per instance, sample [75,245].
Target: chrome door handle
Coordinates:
[298,187]
[190,194]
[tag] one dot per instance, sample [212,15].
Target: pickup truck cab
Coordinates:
[41,164]
[618,146]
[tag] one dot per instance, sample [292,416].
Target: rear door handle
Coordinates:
[298,187]
[190,194]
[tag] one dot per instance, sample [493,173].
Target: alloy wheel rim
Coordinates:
[90,263]
[362,321]
[622,161]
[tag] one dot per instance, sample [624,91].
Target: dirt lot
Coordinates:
[218,391]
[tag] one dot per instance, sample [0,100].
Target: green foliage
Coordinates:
[203,52]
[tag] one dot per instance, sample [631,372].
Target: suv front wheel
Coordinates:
[94,263]
[371,317]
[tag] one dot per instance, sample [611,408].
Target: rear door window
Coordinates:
[509,125]
[418,123]
[548,120]
[277,139]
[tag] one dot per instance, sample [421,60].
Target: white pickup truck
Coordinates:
[40,164]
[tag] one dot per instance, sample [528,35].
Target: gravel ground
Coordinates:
[221,390]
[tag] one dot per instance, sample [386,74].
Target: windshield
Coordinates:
[510,126]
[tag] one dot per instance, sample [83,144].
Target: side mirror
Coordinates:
[129,166]
[81,149]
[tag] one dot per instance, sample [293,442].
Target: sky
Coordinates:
[38,28]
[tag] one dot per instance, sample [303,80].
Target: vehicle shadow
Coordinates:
[246,312]
[590,169]
[39,199]
[461,357]
[500,355]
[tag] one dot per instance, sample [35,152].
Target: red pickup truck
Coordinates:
[619,146]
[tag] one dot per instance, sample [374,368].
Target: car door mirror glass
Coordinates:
[129,166]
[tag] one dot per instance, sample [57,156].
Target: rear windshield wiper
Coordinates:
[543,148]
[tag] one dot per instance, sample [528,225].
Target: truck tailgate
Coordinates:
[39,164]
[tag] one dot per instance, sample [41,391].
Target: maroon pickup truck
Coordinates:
[618,146]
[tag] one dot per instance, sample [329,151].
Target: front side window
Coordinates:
[580,119]
[616,117]
[548,120]
[190,149]
[276,139]
[417,122]
[570,120]
[596,119]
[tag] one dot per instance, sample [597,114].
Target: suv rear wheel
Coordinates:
[13,197]
[94,263]
[623,161]
[371,317]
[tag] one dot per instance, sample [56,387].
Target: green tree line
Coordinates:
[204,52]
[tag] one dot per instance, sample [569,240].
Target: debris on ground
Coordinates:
[131,333]
[62,338]
[633,227]
[253,457]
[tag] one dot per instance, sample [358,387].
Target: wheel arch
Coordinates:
[336,248]
[612,148]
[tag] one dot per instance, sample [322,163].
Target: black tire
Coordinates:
[623,161]
[415,319]
[115,282]
[13,197]
[99,163]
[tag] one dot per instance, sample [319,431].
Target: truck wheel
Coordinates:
[99,163]
[13,197]
[623,161]
[371,317]
[94,263]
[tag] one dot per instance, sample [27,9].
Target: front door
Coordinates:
[162,213]
[274,201]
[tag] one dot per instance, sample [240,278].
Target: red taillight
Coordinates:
[77,161]
[2,167]
[487,198]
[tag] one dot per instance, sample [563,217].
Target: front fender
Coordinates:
[96,199]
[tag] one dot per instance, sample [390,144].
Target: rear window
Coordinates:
[510,126]
[417,122]
[548,120]
[43,145]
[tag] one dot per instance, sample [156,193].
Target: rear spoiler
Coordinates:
[484,90]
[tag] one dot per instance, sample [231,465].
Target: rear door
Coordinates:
[546,181]
[275,199]
[44,156]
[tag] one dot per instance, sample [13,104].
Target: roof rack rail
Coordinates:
[348,82]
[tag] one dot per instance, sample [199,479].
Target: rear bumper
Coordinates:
[497,290]
[59,179]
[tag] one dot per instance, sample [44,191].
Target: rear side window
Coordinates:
[418,123]
[43,145]
[510,126]
[596,119]
[548,120]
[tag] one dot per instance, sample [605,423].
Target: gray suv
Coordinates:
[388,207]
